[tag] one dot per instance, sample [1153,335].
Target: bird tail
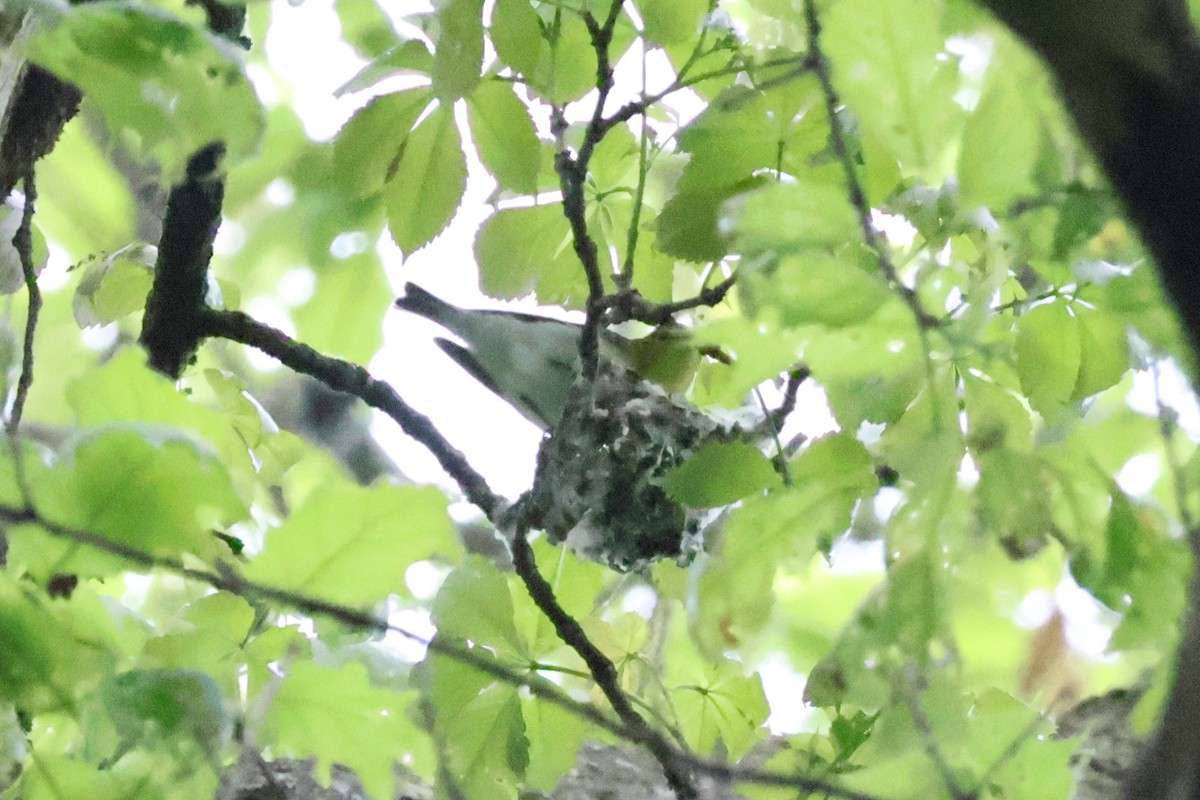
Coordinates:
[423,304]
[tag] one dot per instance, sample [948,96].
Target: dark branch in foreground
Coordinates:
[171,327]
[42,105]
[177,321]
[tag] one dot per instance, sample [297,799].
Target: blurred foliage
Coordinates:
[1015,441]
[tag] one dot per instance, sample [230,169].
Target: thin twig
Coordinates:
[929,741]
[447,780]
[637,107]
[775,419]
[734,773]
[1009,752]
[224,578]
[1167,420]
[858,198]
[23,242]
[627,305]
[602,670]
[572,174]
[624,277]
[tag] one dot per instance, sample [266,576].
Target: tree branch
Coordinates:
[171,327]
[858,198]
[572,174]
[602,670]
[225,579]
[344,376]
[41,107]
[23,242]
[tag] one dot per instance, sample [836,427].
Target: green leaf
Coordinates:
[49,776]
[93,209]
[46,663]
[1157,595]
[149,488]
[1103,351]
[1121,539]
[890,70]
[737,592]
[816,288]
[687,227]
[995,417]
[458,55]
[12,273]
[352,544]
[487,742]
[731,145]
[336,716]
[115,286]
[345,315]
[369,147]
[753,362]
[926,444]
[480,721]
[218,625]
[568,71]
[520,250]
[1138,300]
[672,21]
[184,705]
[412,56]
[870,371]
[1048,355]
[720,704]
[173,86]
[1000,144]
[428,184]
[516,35]
[504,133]
[786,217]
[554,736]
[125,389]
[892,628]
[474,603]
[365,27]
[718,474]
[1081,216]
[734,138]
[1014,500]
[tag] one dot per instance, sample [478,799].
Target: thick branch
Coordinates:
[43,104]
[171,330]
[344,376]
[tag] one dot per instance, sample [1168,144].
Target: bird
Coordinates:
[531,361]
